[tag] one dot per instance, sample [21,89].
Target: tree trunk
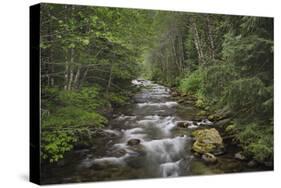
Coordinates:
[197,43]
[52,78]
[174,53]
[66,74]
[83,77]
[77,76]
[109,80]
[210,37]
[71,74]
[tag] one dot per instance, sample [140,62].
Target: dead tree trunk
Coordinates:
[80,84]
[210,37]
[66,74]
[109,80]
[71,74]
[197,42]
[77,76]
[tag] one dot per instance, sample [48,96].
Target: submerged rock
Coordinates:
[184,124]
[138,150]
[229,165]
[209,158]
[207,141]
[133,142]
[137,157]
[119,153]
[201,168]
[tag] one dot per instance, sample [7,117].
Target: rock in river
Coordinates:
[133,142]
[184,124]
[209,158]
[137,156]
[239,156]
[207,141]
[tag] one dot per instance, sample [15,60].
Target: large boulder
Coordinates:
[207,141]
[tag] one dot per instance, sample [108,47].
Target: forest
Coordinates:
[90,55]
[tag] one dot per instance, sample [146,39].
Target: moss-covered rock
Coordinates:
[207,141]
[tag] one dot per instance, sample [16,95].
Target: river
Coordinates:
[141,141]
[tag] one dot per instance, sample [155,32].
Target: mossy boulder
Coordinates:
[207,141]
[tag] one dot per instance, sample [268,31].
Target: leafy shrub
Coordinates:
[73,116]
[55,143]
[257,141]
[191,83]
[248,96]
[88,98]
[70,112]
[117,99]
[215,79]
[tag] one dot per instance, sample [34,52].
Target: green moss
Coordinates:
[207,140]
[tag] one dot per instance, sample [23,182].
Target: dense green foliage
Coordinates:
[226,61]
[69,114]
[89,56]
[192,82]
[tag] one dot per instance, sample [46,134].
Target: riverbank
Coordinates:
[231,159]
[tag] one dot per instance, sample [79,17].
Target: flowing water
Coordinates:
[142,141]
[158,151]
